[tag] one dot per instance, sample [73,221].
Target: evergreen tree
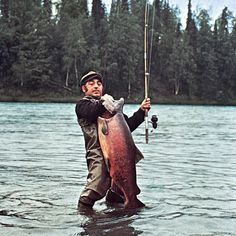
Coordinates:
[98,42]
[158,6]
[223,22]
[25,32]
[137,8]
[206,59]
[4,7]
[73,44]
[69,9]
[84,7]
[123,51]
[31,65]
[215,36]
[40,51]
[233,57]
[181,69]
[75,50]
[224,60]
[166,42]
[191,28]
[155,69]
[98,13]
[125,5]
[5,39]
[47,8]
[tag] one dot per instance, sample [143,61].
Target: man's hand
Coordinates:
[108,103]
[146,104]
[107,97]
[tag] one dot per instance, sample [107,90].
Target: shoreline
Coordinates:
[74,99]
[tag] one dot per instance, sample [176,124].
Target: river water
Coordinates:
[187,179]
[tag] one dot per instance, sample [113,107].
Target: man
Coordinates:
[92,105]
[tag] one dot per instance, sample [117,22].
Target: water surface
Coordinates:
[187,179]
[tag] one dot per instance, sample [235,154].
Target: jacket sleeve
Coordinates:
[89,109]
[135,120]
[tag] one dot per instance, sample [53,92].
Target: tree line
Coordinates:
[47,47]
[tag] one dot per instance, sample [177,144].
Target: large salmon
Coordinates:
[119,152]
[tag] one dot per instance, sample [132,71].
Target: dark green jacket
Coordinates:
[88,109]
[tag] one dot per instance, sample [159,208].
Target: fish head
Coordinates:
[118,105]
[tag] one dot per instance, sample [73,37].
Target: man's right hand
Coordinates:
[146,104]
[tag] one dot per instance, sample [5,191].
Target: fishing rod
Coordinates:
[147,66]
[146,74]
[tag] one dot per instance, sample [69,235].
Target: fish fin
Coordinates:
[108,165]
[116,189]
[134,204]
[137,191]
[104,127]
[139,156]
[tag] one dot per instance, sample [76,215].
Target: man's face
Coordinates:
[93,88]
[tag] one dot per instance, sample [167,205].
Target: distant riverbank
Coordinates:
[73,98]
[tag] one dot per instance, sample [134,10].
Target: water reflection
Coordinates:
[112,221]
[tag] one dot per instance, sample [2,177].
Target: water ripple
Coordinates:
[187,179]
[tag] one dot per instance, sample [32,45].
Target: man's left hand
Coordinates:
[146,104]
[108,103]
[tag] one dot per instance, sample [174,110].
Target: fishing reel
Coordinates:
[154,121]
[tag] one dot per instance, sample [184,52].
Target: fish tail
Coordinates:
[134,204]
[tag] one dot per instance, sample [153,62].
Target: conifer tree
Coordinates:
[124,50]
[73,14]
[181,69]
[32,66]
[84,7]
[4,7]
[39,50]
[125,5]
[98,13]
[233,53]
[47,8]
[206,59]
[167,38]
[5,41]
[191,28]
[224,56]
[155,75]
[98,49]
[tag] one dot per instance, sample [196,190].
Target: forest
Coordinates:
[45,48]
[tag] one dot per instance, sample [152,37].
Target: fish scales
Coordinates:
[119,153]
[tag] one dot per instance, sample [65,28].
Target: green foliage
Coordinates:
[41,50]
[124,52]
[31,69]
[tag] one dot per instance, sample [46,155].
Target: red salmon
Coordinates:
[119,152]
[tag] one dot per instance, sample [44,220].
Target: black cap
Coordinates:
[90,76]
